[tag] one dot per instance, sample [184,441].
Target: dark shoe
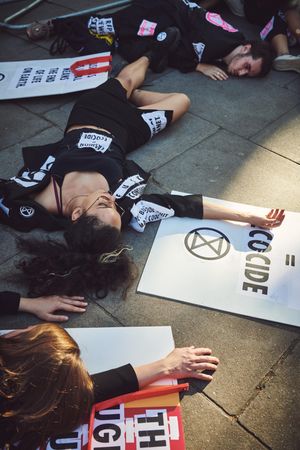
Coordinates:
[165,42]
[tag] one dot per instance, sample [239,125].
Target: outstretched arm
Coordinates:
[187,362]
[45,307]
[273,219]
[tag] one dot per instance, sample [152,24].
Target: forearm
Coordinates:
[219,212]
[149,373]
[293,21]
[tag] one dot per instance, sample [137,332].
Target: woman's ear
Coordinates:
[76,213]
[246,49]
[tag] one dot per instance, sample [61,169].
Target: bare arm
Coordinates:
[187,362]
[273,219]
[45,307]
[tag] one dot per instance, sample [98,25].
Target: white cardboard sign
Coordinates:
[21,79]
[229,266]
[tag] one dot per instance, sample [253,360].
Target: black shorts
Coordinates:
[107,107]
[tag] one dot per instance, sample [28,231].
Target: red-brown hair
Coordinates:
[45,388]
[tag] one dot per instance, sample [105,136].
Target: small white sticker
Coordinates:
[129,183]
[156,121]
[145,212]
[199,49]
[98,142]
[161,36]
[101,25]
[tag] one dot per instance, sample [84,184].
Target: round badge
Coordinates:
[2,76]
[26,211]
[161,36]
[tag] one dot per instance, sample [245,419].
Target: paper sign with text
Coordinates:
[230,266]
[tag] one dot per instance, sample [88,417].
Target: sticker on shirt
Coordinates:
[199,49]
[191,5]
[147,28]
[98,142]
[268,28]
[32,178]
[156,121]
[128,184]
[4,208]
[217,20]
[145,212]
[27,211]
[100,25]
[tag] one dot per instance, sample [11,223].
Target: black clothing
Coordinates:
[90,150]
[9,302]
[269,14]
[107,107]
[205,36]
[114,382]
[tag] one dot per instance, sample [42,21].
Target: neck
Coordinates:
[228,58]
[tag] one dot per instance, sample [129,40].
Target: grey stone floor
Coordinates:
[239,141]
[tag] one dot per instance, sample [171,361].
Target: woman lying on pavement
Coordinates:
[45,389]
[85,183]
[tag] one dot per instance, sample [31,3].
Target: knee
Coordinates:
[184,101]
[126,81]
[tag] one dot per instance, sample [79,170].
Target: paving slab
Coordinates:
[59,116]
[11,159]
[274,414]
[257,101]
[23,126]
[295,85]
[7,244]
[208,428]
[283,135]
[229,167]
[172,142]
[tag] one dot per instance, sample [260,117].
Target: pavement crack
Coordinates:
[269,375]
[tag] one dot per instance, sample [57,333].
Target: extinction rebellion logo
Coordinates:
[207,243]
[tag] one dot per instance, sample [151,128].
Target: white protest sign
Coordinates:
[21,79]
[229,266]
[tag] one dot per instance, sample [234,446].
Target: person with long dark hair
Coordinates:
[85,184]
[45,390]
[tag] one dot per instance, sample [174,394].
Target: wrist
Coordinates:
[25,304]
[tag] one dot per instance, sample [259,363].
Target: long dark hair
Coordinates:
[91,259]
[44,387]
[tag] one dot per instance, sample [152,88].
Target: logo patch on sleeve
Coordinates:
[27,211]
[98,142]
[156,121]
[100,25]
[147,28]
[199,49]
[217,20]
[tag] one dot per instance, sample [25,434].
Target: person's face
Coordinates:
[102,205]
[244,65]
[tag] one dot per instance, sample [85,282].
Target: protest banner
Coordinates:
[21,79]
[229,266]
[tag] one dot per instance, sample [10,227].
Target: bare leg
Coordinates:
[292,17]
[177,102]
[280,44]
[133,75]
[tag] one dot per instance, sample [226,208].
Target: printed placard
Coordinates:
[228,266]
[156,121]
[21,79]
